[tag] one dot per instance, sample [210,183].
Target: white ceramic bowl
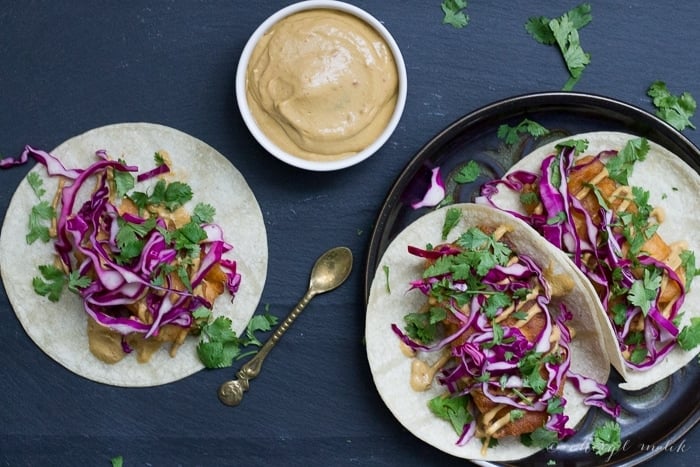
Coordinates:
[263,139]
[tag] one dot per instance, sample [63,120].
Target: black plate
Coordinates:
[652,418]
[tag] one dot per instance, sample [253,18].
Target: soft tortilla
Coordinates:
[59,329]
[391,369]
[673,186]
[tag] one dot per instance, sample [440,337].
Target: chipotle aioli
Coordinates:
[322,84]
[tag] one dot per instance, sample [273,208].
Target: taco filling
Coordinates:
[492,334]
[503,338]
[134,253]
[585,205]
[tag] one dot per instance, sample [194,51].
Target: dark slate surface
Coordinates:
[66,67]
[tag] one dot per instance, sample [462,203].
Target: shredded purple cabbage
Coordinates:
[480,353]
[86,243]
[609,270]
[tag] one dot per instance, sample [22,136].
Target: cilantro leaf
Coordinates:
[511,134]
[675,110]
[36,183]
[51,282]
[40,214]
[117,461]
[123,181]
[76,281]
[424,326]
[130,238]
[219,345]
[541,438]
[171,195]
[451,219]
[578,145]
[606,438]
[643,291]
[689,337]
[454,14]
[385,268]
[620,167]
[452,409]
[563,32]
[468,172]
[530,366]
[688,265]
[203,213]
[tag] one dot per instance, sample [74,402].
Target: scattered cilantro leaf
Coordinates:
[675,110]
[203,213]
[452,409]
[689,337]
[385,268]
[643,291]
[40,214]
[454,14]
[563,32]
[117,461]
[468,172]
[541,438]
[578,145]
[219,345]
[688,265]
[511,134]
[77,282]
[620,167]
[423,326]
[159,159]
[606,438]
[451,219]
[171,195]
[51,282]
[123,181]
[36,183]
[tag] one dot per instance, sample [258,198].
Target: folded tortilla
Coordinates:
[673,186]
[389,302]
[59,329]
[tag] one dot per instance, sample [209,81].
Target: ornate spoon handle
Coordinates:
[231,392]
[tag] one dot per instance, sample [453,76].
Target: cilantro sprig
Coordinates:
[454,14]
[675,110]
[606,438]
[564,32]
[52,281]
[511,134]
[452,409]
[219,345]
[41,214]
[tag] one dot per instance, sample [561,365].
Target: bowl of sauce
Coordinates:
[321,85]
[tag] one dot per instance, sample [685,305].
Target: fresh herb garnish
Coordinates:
[620,167]
[123,181]
[674,110]
[41,214]
[606,438]
[688,265]
[36,183]
[454,14]
[386,278]
[643,291]
[452,409]
[511,134]
[170,195]
[51,282]
[689,337]
[219,345]
[563,32]
[468,173]
[451,219]
[424,326]
[541,438]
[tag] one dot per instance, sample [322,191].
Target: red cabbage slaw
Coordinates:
[497,352]
[86,244]
[601,241]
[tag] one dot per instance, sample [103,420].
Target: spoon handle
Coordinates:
[231,392]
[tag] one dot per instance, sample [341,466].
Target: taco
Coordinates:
[154,231]
[481,337]
[624,210]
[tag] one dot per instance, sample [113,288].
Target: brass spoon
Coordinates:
[330,270]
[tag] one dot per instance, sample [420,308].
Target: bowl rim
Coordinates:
[264,141]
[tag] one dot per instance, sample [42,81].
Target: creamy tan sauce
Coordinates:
[322,84]
[422,373]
